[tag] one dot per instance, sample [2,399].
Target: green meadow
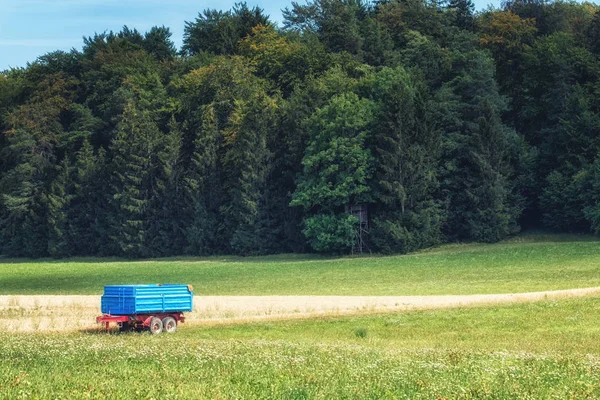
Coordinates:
[541,350]
[547,349]
[525,263]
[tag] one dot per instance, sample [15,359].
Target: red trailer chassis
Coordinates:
[155,322]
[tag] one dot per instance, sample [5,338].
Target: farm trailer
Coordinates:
[138,307]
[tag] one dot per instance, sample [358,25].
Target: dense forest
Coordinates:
[253,138]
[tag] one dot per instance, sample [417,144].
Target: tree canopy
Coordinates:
[444,123]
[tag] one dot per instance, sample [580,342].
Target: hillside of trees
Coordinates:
[255,138]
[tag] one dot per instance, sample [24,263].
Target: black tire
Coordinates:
[169,324]
[156,326]
[125,327]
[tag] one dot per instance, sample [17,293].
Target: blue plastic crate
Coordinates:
[146,299]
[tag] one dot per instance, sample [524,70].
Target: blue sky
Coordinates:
[30,28]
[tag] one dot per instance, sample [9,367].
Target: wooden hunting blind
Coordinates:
[361,213]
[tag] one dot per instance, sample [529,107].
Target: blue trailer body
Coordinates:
[146,299]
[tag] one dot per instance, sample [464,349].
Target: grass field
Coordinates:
[526,263]
[547,349]
[541,350]
[565,326]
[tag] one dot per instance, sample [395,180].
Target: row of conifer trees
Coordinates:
[252,139]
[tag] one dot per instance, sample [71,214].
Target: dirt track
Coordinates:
[58,313]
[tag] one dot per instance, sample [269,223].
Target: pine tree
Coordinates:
[58,204]
[219,32]
[337,23]
[476,155]
[464,13]
[24,190]
[88,208]
[165,222]
[246,162]
[594,33]
[590,182]
[571,151]
[134,150]
[203,188]
[30,157]
[230,116]
[158,43]
[406,144]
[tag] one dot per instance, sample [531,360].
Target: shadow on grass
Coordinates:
[112,331]
[530,236]
[62,284]
[540,236]
[274,258]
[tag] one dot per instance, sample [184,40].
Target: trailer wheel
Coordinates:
[125,327]
[169,324]
[156,326]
